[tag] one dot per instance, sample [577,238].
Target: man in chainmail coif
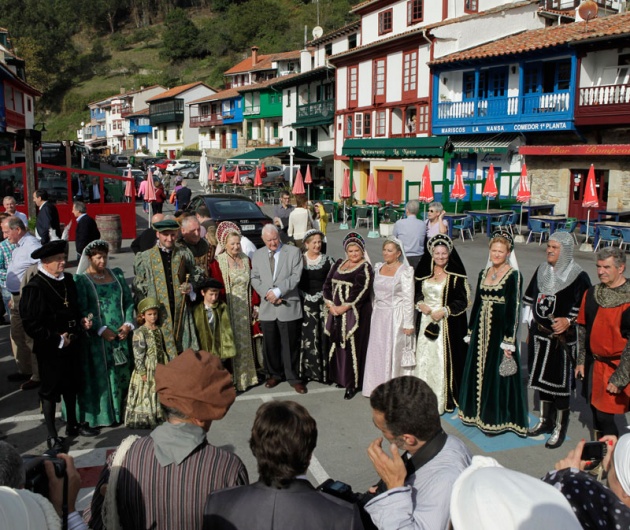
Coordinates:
[552,301]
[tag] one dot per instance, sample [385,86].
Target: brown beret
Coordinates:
[196,384]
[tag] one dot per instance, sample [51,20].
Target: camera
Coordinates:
[36,478]
[594,451]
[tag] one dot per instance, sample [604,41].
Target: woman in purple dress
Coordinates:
[347,296]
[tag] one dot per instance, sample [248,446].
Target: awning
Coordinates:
[425,147]
[315,121]
[497,143]
[279,152]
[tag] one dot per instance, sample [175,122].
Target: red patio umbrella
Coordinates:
[149,196]
[458,190]
[490,190]
[590,199]
[372,200]
[426,191]
[298,185]
[263,171]
[345,193]
[130,186]
[258,183]
[524,194]
[308,180]
[237,176]
[223,175]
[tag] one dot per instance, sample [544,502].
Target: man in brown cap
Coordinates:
[161,481]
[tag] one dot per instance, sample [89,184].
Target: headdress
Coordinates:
[312,232]
[224,229]
[196,384]
[440,239]
[84,262]
[59,246]
[550,279]
[148,303]
[166,225]
[210,283]
[353,238]
[398,243]
[506,235]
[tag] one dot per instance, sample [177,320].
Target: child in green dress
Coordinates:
[143,407]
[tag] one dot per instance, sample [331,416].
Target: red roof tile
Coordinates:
[263,62]
[224,94]
[176,91]
[545,38]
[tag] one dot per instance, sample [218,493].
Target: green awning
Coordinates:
[280,152]
[495,144]
[314,121]
[426,147]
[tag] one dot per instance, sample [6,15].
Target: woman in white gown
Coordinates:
[442,297]
[392,325]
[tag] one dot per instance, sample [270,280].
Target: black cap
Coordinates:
[59,246]
[210,283]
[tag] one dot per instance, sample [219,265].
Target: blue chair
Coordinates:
[512,223]
[501,222]
[537,227]
[625,237]
[464,225]
[608,235]
[568,227]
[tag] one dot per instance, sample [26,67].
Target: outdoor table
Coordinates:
[450,218]
[551,220]
[616,213]
[611,224]
[535,208]
[489,215]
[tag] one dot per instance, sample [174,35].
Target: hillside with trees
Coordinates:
[78,51]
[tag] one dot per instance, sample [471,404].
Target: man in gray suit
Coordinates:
[283,438]
[276,272]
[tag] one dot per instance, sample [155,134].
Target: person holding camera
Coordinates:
[595,505]
[50,313]
[42,505]
[284,436]
[415,487]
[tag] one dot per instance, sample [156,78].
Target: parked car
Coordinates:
[137,174]
[245,171]
[190,172]
[236,208]
[273,172]
[163,164]
[119,160]
[176,165]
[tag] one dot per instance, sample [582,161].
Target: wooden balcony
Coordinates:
[15,120]
[601,105]
[206,120]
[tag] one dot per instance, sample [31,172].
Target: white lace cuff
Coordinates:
[508,346]
[467,339]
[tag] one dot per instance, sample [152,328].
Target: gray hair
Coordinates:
[189,219]
[12,474]
[9,197]
[270,229]
[80,206]
[413,207]
[14,223]
[437,206]
[612,252]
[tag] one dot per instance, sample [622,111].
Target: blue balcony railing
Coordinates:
[139,129]
[98,114]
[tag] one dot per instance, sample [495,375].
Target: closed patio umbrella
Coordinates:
[524,195]
[345,194]
[490,190]
[298,185]
[426,191]
[258,183]
[150,194]
[458,191]
[130,186]
[372,200]
[308,181]
[203,171]
[589,201]
[237,177]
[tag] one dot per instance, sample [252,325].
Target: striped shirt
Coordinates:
[168,498]
[6,251]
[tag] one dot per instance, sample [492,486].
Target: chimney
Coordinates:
[254,55]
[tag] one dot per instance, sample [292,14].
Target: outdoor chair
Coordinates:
[568,227]
[625,237]
[537,227]
[329,208]
[464,225]
[512,223]
[362,214]
[607,235]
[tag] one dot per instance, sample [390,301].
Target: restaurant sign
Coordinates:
[575,150]
[546,126]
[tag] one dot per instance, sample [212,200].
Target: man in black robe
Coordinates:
[50,314]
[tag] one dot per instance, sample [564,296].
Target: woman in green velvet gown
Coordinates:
[106,355]
[489,401]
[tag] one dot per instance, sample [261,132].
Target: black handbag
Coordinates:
[432,331]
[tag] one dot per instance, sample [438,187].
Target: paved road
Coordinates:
[345,427]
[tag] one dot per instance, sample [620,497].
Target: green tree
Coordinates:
[181,37]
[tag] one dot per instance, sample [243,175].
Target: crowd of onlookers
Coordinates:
[394,328]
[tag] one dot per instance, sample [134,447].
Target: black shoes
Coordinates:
[350,393]
[81,429]
[55,445]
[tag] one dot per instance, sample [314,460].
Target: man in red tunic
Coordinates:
[604,349]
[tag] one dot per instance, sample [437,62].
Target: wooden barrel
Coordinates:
[110,228]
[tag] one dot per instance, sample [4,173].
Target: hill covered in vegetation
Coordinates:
[78,51]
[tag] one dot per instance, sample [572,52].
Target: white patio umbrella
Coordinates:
[203,171]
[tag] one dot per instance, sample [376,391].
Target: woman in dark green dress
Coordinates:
[492,402]
[106,358]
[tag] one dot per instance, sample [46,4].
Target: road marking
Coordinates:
[318,471]
[29,417]
[11,394]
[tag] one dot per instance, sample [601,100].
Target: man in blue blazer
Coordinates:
[276,273]
[284,436]
[86,231]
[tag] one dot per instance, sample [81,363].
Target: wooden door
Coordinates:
[223,139]
[389,185]
[576,194]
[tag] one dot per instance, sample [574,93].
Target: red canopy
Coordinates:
[426,192]
[130,187]
[524,194]
[590,191]
[371,198]
[149,196]
[223,177]
[308,179]
[237,176]
[345,187]
[490,187]
[258,178]
[298,185]
[458,191]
